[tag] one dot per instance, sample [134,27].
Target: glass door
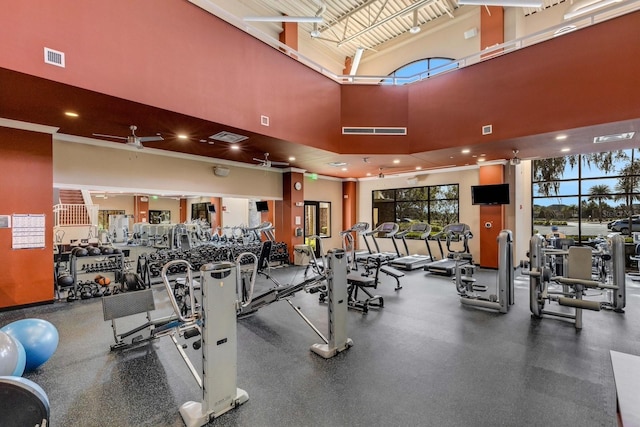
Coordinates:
[317,221]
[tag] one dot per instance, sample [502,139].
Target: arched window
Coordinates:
[420,69]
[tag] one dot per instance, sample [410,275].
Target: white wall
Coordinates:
[166,204]
[234,212]
[469,214]
[114,202]
[99,167]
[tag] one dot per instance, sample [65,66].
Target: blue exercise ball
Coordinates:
[9,354]
[22,360]
[38,337]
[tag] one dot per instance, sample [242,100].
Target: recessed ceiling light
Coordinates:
[418,168]
[481,159]
[466,151]
[182,136]
[396,161]
[291,159]
[235,147]
[344,169]
[337,164]
[613,138]
[561,137]
[564,150]
[71,114]
[482,155]
[368,173]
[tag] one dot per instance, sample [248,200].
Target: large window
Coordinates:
[585,194]
[419,70]
[436,205]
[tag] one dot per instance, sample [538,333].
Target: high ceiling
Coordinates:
[41,101]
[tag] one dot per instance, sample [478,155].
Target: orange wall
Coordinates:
[27,188]
[291,197]
[349,205]
[494,215]
[491,26]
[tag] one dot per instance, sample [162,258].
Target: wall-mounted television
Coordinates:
[494,194]
[262,206]
[211,208]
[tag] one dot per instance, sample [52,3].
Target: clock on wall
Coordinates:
[297,185]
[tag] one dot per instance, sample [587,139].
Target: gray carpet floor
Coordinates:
[422,360]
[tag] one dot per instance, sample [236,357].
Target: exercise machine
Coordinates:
[570,289]
[384,230]
[217,325]
[413,262]
[458,232]
[331,279]
[476,295]
[348,241]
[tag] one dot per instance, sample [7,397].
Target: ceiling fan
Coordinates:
[133,140]
[268,163]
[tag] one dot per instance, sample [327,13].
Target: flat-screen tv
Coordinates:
[262,206]
[211,208]
[494,194]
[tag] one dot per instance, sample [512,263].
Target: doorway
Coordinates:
[317,222]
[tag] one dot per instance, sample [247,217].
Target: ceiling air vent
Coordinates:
[613,138]
[53,57]
[228,137]
[373,131]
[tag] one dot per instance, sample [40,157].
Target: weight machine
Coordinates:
[577,278]
[224,297]
[476,295]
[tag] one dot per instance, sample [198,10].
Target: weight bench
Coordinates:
[381,266]
[356,283]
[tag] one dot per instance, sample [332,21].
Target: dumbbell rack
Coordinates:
[116,260]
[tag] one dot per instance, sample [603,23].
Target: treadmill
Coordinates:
[452,233]
[386,229]
[413,262]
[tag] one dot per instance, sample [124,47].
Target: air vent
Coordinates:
[53,57]
[373,131]
[228,137]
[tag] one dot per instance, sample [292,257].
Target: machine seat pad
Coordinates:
[360,280]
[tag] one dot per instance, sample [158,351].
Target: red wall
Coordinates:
[583,78]
[27,188]
[175,56]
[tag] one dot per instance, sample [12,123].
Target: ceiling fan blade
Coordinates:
[150,138]
[109,136]
[260,160]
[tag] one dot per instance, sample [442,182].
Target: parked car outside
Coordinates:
[610,223]
[622,225]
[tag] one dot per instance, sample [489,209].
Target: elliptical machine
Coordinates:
[477,295]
